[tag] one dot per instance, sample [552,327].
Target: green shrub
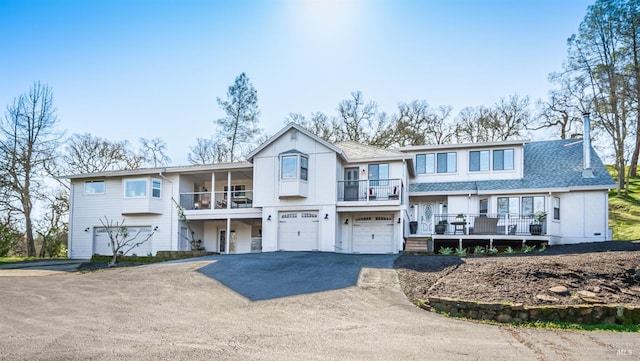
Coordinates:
[445,251]
[461,252]
[528,249]
[493,250]
[478,250]
[509,250]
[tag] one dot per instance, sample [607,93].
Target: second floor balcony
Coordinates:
[216,200]
[370,190]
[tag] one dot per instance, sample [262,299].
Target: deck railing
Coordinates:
[220,200]
[487,224]
[370,190]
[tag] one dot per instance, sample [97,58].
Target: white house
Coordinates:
[298,192]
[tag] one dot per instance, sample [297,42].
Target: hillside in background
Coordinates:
[624,210]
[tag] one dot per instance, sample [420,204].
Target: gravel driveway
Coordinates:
[179,311]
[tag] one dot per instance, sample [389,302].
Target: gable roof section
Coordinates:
[299,128]
[359,152]
[548,165]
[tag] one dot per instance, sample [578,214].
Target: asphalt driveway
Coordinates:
[271,275]
[180,311]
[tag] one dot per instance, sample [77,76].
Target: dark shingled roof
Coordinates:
[547,164]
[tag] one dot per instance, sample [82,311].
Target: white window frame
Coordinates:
[86,183]
[504,168]
[429,163]
[299,173]
[480,163]
[451,162]
[155,181]
[133,180]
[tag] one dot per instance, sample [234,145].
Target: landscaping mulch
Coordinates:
[590,273]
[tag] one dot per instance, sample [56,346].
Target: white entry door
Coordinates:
[101,241]
[426,218]
[373,234]
[298,231]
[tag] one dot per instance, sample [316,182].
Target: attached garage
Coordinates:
[298,231]
[101,241]
[373,234]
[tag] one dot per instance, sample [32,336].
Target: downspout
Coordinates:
[171,219]
[70,228]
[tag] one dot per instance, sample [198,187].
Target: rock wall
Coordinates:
[503,312]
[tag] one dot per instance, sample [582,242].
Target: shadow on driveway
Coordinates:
[264,276]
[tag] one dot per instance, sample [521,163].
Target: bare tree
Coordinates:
[359,120]
[120,240]
[88,154]
[29,140]
[154,151]
[564,108]
[53,229]
[417,123]
[207,151]
[318,123]
[507,119]
[239,128]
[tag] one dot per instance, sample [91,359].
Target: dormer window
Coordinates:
[294,165]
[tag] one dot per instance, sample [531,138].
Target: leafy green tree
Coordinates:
[597,53]
[239,128]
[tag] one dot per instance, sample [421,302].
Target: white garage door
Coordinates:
[373,234]
[298,231]
[101,241]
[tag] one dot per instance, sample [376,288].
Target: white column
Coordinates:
[228,192]
[228,234]
[213,190]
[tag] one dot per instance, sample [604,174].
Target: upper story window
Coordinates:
[135,188]
[479,160]
[378,174]
[503,159]
[447,162]
[156,188]
[94,187]
[295,166]
[425,163]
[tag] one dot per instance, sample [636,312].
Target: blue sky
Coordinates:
[125,69]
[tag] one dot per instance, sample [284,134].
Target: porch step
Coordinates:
[417,244]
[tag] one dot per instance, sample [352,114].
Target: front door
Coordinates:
[426,218]
[351,184]
[223,241]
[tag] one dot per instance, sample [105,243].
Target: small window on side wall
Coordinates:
[556,208]
[156,188]
[94,187]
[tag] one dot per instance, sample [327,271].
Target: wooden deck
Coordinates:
[425,243]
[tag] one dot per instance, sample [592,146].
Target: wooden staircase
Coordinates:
[418,244]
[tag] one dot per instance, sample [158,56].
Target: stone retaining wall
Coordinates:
[502,312]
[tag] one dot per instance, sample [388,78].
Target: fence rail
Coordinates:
[217,200]
[488,224]
[370,190]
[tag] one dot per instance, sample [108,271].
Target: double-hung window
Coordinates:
[425,163]
[479,160]
[556,208]
[156,188]
[294,166]
[379,174]
[503,159]
[447,162]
